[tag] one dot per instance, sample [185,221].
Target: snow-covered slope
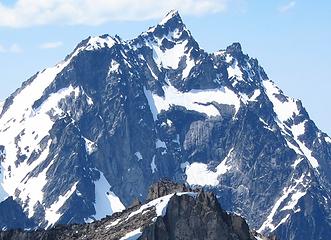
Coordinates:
[81,139]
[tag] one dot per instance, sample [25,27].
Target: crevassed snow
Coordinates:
[52,214]
[132,235]
[196,100]
[199,174]
[106,202]
[284,110]
[138,155]
[292,194]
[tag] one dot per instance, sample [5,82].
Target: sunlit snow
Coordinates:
[52,214]
[292,194]
[196,100]
[106,202]
[199,174]
[284,110]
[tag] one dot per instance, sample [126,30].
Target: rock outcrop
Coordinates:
[177,213]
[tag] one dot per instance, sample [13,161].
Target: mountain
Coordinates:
[173,214]
[82,139]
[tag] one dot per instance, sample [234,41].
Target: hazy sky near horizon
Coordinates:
[291,39]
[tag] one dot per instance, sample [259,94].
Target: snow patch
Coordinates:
[132,235]
[52,214]
[90,146]
[292,194]
[284,110]
[138,155]
[151,103]
[171,57]
[106,202]
[153,165]
[190,63]
[253,98]
[199,174]
[265,125]
[297,162]
[160,204]
[114,67]
[234,71]
[195,100]
[30,126]
[160,144]
[297,131]
[95,43]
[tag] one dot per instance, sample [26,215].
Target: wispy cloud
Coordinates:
[2,49]
[14,48]
[287,7]
[51,45]
[24,13]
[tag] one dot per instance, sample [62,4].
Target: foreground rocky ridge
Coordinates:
[169,214]
[82,139]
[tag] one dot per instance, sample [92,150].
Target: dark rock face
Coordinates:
[198,216]
[91,133]
[12,216]
[165,187]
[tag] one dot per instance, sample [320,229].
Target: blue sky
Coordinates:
[291,39]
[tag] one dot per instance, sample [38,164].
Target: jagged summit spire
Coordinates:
[173,14]
[170,24]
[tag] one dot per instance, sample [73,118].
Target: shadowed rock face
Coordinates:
[12,215]
[186,215]
[165,187]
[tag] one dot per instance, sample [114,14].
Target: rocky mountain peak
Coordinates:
[234,48]
[172,16]
[165,187]
[170,27]
[82,139]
